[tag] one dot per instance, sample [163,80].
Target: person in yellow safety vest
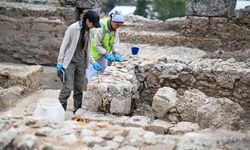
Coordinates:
[105,42]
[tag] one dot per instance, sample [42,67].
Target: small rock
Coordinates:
[112,145]
[27,142]
[159,126]
[184,127]
[69,139]
[103,124]
[136,141]
[138,121]
[87,132]
[118,139]
[160,147]
[48,147]
[148,137]
[91,140]
[129,148]
[6,138]
[105,134]
[135,132]
[173,118]
[45,131]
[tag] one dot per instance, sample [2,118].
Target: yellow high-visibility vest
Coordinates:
[107,41]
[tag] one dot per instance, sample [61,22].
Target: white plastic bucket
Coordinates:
[50,108]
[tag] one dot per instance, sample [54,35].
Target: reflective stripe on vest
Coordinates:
[107,41]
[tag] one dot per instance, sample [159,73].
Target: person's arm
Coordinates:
[64,45]
[98,41]
[115,47]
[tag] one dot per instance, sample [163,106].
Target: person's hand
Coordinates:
[59,68]
[97,67]
[109,57]
[118,57]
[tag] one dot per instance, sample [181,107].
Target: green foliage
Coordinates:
[169,8]
[148,8]
[141,6]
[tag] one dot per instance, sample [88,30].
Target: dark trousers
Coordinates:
[74,78]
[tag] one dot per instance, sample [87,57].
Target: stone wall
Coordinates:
[216,78]
[228,38]
[219,21]
[32,31]
[216,8]
[114,91]
[242,16]
[44,2]
[16,81]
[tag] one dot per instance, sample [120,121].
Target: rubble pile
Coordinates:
[28,133]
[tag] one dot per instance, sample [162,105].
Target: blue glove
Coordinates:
[118,57]
[59,68]
[97,67]
[109,57]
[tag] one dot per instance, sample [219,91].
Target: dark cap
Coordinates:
[93,17]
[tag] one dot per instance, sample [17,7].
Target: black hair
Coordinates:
[93,17]
[111,15]
[84,18]
[84,28]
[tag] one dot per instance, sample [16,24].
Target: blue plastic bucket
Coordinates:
[135,50]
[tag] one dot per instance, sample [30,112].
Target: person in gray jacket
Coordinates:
[74,56]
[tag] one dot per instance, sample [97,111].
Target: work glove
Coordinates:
[97,67]
[118,57]
[59,68]
[109,57]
